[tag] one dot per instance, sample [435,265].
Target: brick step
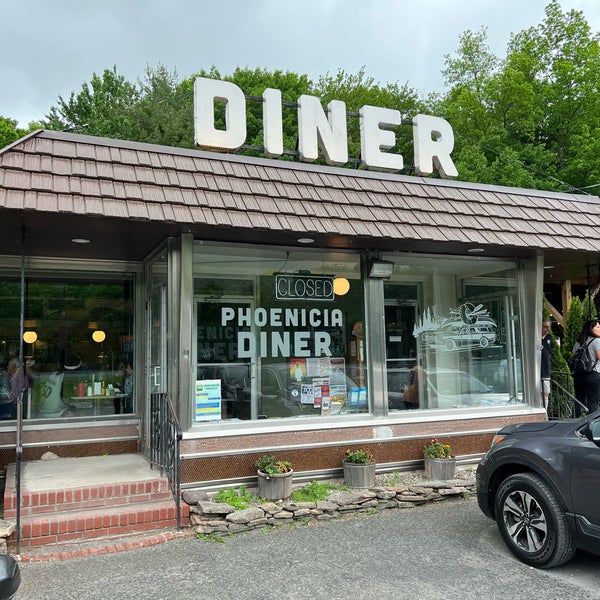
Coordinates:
[85,497]
[99,522]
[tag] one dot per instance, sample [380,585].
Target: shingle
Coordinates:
[90,187]
[115,208]
[181,214]
[153,193]
[65,203]
[94,205]
[155,213]
[138,209]
[41,181]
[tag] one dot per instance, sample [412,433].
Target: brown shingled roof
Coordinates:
[52,172]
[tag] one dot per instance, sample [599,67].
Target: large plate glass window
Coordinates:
[452,334]
[78,344]
[278,334]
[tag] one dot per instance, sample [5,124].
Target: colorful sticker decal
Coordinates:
[468,327]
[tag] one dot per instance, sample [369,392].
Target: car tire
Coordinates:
[532,522]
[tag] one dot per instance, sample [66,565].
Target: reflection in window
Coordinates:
[272,338]
[452,336]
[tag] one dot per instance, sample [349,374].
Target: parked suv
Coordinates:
[540,482]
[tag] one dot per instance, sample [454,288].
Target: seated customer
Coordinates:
[126,401]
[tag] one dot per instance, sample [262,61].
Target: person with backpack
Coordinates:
[546,361]
[586,375]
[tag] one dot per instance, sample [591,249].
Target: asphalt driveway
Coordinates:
[441,551]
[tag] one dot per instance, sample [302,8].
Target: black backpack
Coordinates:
[581,361]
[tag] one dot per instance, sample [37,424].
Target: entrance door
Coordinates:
[401,302]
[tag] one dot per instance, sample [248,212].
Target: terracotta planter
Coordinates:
[359,475]
[440,469]
[275,487]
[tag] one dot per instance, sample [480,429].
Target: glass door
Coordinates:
[401,304]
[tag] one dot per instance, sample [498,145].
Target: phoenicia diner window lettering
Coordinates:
[280,341]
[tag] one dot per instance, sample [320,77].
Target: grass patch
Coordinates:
[239,498]
[315,491]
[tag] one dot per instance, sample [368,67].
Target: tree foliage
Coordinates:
[103,107]
[531,119]
[573,326]
[9,132]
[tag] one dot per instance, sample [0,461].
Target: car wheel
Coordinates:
[532,522]
[450,344]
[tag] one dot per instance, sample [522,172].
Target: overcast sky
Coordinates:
[51,47]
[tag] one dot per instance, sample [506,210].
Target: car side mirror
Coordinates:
[594,431]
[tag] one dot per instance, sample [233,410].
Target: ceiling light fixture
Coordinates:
[29,337]
[98,335]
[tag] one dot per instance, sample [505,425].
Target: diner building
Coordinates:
[286,308]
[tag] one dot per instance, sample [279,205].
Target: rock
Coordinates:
[6,528]
[284,514]
[192,497]
[325,505]
[246,515]
[294,506]
[386,494]
[343,498]
[215,508]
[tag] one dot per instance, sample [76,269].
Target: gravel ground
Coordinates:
[411,477]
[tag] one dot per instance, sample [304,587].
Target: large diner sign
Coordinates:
[433,138]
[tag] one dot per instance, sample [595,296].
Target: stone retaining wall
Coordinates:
[207,517]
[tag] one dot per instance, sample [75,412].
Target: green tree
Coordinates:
[573,326]
[9,131]
[531,119]
[560,61]
[102,107]
[164,112]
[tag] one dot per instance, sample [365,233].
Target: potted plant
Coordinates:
[439,462]
[274,478]
[359,468]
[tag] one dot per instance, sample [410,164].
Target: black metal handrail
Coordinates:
[165,436]
[18,467]
[562,403]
